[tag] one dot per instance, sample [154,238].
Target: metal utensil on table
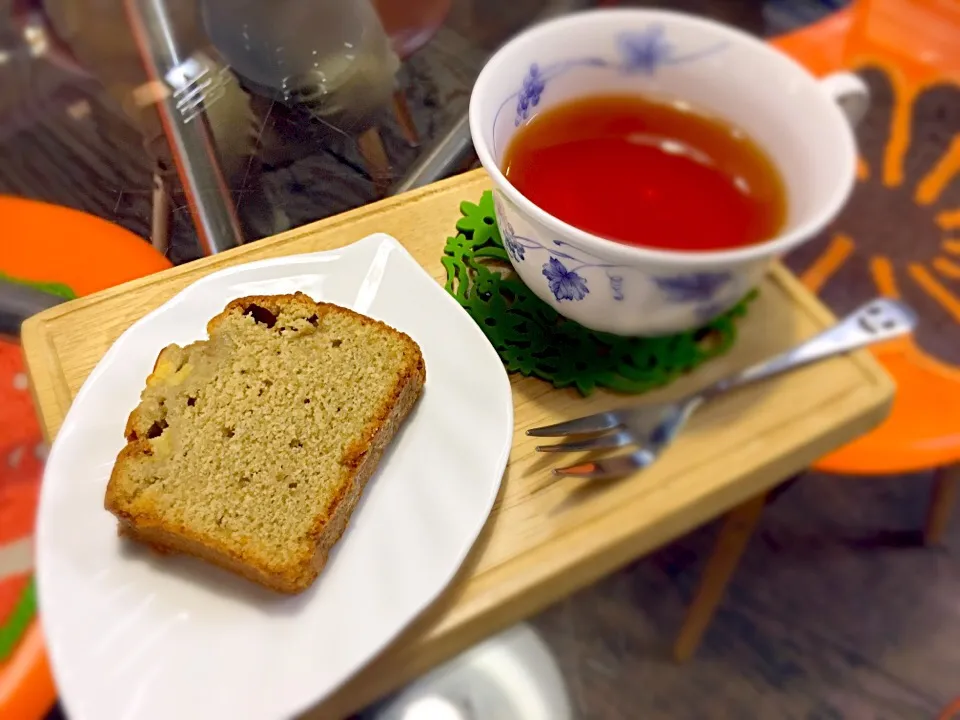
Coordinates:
[185,123]
[653,427]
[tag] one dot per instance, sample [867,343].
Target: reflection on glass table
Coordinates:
[91,137]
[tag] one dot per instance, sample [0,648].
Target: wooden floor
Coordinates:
[836,613]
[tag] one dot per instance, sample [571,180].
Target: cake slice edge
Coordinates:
[361,458]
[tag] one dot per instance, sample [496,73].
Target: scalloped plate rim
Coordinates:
[503,400]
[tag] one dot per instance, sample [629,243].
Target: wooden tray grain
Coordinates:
[544,538]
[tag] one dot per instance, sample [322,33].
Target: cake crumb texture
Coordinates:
[250,449]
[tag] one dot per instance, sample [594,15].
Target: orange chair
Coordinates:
[911,47]
[42,244]
[899,236]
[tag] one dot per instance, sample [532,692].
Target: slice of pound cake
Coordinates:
[250,449]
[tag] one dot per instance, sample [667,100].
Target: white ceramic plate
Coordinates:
[139,636]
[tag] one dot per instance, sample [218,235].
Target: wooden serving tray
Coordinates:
[545,538]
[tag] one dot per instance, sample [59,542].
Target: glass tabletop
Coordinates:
[204,124]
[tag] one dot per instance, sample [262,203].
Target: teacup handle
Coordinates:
[850,93]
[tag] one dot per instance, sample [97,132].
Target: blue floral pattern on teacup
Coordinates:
[566,262]
[616,286]
[644,51]
[515,248]
[564,280]
[692,287]
[564,284]
[533,85]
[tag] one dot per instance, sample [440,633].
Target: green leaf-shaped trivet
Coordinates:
[533,339]
[12,629]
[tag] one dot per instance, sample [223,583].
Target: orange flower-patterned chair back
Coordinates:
[900,233]
[41,244]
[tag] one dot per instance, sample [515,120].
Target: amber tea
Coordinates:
[649,173]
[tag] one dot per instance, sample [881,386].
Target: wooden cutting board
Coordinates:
[545,538]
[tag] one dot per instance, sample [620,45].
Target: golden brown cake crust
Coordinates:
[360,459]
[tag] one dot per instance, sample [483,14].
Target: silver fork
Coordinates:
[653,427]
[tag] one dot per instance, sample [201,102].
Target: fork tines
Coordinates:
[598,422]
[598,426]
[599,442]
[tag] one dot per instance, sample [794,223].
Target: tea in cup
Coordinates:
[648,165]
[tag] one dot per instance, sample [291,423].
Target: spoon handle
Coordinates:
[878,320]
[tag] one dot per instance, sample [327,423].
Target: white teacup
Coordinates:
[803,123]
